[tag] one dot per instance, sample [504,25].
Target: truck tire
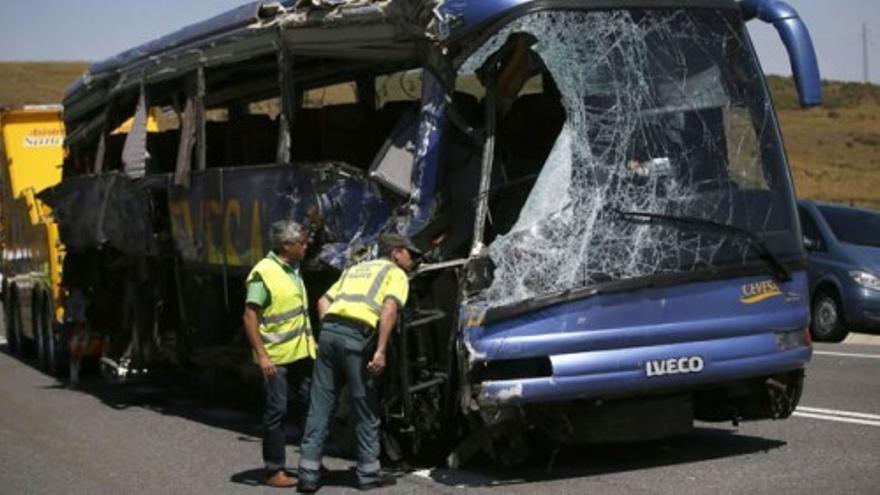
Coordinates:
[40,336]
[13,321]
[828,323]
[8,330]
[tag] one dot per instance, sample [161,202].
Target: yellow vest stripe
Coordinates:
[278,318]
[282,337]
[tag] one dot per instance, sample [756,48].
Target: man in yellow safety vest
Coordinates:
[362,305]
[276,321]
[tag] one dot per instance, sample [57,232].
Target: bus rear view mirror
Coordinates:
[796,37]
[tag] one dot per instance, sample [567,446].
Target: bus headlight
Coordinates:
[786,341]
[865,279]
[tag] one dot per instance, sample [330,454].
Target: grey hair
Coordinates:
[285,231]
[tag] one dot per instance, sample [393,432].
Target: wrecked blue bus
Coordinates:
[600,186]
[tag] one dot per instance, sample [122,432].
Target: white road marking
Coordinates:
[838,416]
[837,412]
[837,419]
[847,354]
[456,478]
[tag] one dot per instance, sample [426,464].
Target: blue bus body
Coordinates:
[602,346]
[612,237]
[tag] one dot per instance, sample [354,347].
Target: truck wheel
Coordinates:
[40,334]
[13,321]
[8,328]
[828,323]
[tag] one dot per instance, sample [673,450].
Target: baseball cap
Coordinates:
[398,240]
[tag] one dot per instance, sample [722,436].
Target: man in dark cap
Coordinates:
[361,306]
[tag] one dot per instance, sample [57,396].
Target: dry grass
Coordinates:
[834,150]
[37,82]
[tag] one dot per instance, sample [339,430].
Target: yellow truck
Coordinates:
[31,154]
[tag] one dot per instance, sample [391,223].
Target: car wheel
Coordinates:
[828,324]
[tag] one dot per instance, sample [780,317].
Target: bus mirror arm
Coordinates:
[797,41]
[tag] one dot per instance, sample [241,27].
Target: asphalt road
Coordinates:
[171,438]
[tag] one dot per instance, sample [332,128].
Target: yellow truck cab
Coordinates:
[31,154]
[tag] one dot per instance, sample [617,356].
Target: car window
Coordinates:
[853,226]
[811,230]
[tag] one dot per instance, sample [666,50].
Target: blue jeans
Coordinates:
[295,376]
[341,358]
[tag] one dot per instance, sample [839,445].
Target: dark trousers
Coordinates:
[295,377]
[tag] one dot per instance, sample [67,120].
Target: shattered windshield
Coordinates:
[660,111]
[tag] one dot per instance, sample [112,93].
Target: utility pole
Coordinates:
[866,74]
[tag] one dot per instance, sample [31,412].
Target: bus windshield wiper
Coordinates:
[754,240]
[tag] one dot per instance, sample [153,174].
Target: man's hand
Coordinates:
[267,368]
[377,364]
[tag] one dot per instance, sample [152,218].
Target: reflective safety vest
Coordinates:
[284,327]
[361,291]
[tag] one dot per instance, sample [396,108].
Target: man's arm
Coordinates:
[386,323]
[323,306]
[251,320]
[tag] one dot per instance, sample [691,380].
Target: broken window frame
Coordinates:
[767,139]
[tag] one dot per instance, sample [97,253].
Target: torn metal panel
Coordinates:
[106,209]
[183,165]
[134,152]
[426,167]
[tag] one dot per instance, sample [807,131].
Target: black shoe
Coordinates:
[384,480]
[305,486]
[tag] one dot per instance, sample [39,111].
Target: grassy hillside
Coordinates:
[37,82]
[834,150]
